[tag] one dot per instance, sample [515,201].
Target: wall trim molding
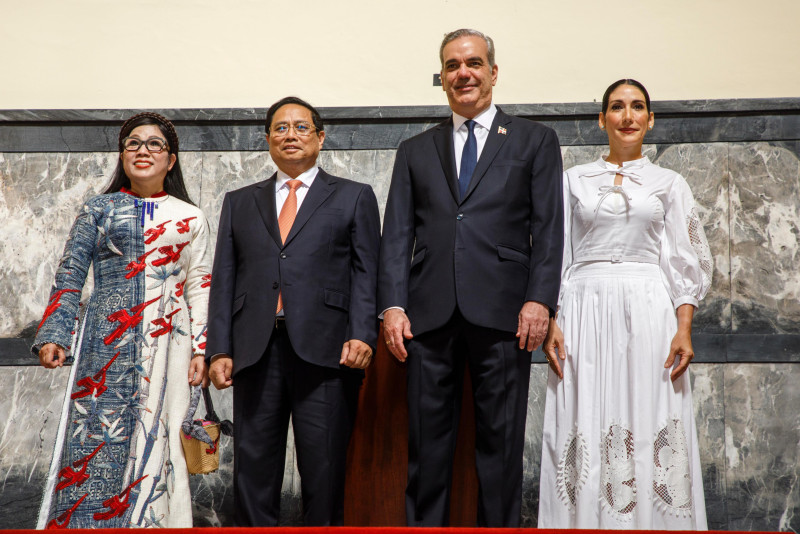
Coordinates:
[709,348]
[384,127]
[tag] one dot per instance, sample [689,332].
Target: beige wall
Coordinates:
[248,53]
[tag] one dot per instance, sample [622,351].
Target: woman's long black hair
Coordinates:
[173,182]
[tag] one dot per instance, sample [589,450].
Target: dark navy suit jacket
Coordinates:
[326,271]
[488,253]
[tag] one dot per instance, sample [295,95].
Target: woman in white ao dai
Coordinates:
[620,446]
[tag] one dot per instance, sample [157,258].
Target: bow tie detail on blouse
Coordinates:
[606,190]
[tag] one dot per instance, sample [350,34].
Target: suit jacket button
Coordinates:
[459,216]
[283,255]
[274,285]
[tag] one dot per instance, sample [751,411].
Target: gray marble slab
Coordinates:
[747,422]
[765,238]
[762,432]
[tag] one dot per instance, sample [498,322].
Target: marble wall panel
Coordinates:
[705,167]
[748,448]
[40,195]
[765,238]
[762,446]
[747,427]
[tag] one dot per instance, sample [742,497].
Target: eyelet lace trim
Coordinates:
[573,469]
[617,472]
[672,483]
[697,237]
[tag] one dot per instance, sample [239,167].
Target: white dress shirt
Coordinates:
[282,187]
[460,132]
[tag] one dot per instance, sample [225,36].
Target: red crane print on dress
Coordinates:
[70,476]
[154,233]
[63,520]
[164,324]
[138,265]
[183,226]
[54,304]
[126,320]
[168,255]
[95,383]
[117,504]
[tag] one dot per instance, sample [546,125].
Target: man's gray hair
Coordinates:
[466,32]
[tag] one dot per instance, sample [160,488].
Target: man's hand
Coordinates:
[356,354]
[532,325]
[221,370]
[553,348]
[197,371]
[52,356]
[396,329]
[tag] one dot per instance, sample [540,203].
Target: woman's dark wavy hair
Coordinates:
[173,182]
[626,81]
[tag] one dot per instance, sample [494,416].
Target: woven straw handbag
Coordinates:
[200,437]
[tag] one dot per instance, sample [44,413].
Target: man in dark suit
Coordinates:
[292,319]
[470,263]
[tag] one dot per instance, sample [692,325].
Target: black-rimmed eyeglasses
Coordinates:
[302,129]
[152,144]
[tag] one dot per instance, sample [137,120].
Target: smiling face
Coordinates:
[467,77]
[146,170]
[626,120]
[293,153]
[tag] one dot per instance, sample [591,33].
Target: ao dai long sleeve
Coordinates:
[650,218]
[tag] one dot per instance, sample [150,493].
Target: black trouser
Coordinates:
[500,374]
[322,403]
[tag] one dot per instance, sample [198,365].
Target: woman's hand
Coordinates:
[198,373]
[52,356]
[681,346]
[553,347]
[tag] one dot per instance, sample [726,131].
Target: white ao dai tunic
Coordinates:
[620,446]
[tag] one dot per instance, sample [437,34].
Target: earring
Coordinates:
[602,127]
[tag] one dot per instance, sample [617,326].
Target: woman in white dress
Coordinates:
[620,446]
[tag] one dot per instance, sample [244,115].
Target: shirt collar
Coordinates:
[633,164]
[484,118]
[307,177]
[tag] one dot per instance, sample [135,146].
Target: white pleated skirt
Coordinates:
[620,445]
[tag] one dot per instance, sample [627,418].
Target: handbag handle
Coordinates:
[211,415]
[225,427]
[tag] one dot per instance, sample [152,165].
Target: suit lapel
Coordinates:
[490,149]
[265,201]
[443,139]
[322,187]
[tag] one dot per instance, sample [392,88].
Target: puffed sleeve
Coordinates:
[61,314]
[198,282]
[566,262]
[686,261]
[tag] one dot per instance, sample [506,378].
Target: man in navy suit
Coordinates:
[469,274]
[292,319]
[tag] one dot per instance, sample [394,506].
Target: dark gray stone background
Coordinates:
[741,158]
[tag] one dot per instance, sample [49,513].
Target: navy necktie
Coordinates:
[469,159]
